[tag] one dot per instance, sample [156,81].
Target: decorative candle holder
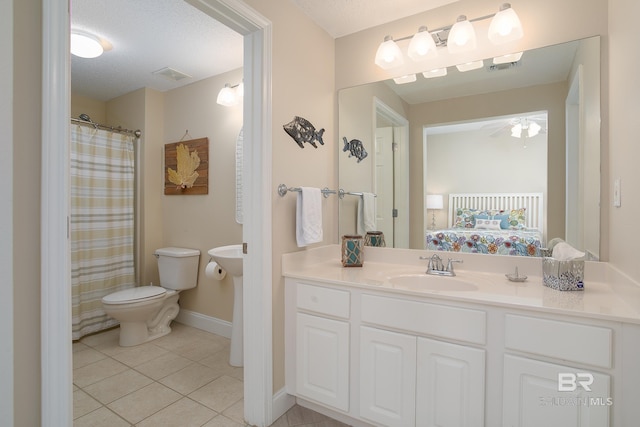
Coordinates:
[374,238]
[352,251]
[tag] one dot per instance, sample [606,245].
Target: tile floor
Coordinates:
[181,379]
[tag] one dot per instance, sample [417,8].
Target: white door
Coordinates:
[387,377]
[531,396]
[322,355]
[450,385]
[384,182]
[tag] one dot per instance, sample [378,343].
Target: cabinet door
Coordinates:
[532,396]
[387,377]
[450,385]
[322,360]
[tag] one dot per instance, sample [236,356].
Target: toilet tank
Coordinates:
[178,267]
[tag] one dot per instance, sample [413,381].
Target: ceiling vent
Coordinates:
[171,74]
[505,66]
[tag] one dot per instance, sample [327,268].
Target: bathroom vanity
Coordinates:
[386,345]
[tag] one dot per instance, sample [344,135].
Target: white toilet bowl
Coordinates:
[145,312]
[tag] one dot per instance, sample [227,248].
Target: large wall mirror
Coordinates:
[530,126]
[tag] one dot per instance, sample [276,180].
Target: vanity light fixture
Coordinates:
[388,54]
[507,59]
[422,46]
[438,72]
[85,45]
[505,26]
[462,37]
[459,38]
[230,95]
[409,78]
[468,66]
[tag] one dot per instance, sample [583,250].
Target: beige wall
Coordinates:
[202,221]
[303,85]
[97,110]
[27,103]
[624,150]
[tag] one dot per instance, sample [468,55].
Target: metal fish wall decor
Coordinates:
[355,148]
[302,131]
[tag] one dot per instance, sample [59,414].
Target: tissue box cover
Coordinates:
[563,275]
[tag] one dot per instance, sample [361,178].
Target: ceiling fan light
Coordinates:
[438,72]
[506,59]
[422,46]
[388,54]
[468,66]
[534,129]
[516,131]
[505,26]
[409,78]
[462,36]
[227,96]
[85,45]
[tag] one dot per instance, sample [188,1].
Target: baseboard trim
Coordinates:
[204,322]
[282,402]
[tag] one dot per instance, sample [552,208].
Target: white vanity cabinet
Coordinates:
[541,388]
[322,345]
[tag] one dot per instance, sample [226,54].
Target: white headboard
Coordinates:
[533,202]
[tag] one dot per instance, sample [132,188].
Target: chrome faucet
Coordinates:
[436,266]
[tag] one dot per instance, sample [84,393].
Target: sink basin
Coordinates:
[229,258]
[427,282]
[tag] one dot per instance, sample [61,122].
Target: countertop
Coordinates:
[606,295]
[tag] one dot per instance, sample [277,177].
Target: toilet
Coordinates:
[145,312]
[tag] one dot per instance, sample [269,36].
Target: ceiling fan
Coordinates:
[521,126]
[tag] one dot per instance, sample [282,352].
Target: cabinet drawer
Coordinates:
[317,299]
[425,318]
[562,340]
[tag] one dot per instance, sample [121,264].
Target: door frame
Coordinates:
[55,330]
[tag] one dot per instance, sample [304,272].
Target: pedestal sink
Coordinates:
[230,259]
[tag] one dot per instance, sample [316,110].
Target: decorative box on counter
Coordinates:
[563,275]
[374,238]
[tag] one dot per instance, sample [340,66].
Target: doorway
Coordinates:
[55,283]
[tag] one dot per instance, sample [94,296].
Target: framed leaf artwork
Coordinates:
[186,167]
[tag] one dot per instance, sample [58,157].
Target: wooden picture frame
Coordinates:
[172,185]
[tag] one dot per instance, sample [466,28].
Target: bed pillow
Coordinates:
[487,224]
[516,219]
[465,218]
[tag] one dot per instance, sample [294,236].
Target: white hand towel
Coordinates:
[308,216]
[563,251]
[366,213]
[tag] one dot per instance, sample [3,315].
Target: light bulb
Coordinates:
[422,46]
[388,54]
[462,36]
[85,45]
[505,26]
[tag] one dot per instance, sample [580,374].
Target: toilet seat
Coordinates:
[137,294]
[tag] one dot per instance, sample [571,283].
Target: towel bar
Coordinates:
[283,189]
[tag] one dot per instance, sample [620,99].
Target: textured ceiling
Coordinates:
[342,17]
[148,35]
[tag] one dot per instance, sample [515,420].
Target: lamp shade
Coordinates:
[505,26]
[438,72]
[468,66]
[227,96]
[422,46]
[388,54]
[462,37]
[435,201]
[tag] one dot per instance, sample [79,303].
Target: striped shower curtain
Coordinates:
[102,179]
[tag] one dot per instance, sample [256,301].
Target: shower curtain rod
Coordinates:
[137,133]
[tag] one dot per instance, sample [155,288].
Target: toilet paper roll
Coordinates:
[214,271]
